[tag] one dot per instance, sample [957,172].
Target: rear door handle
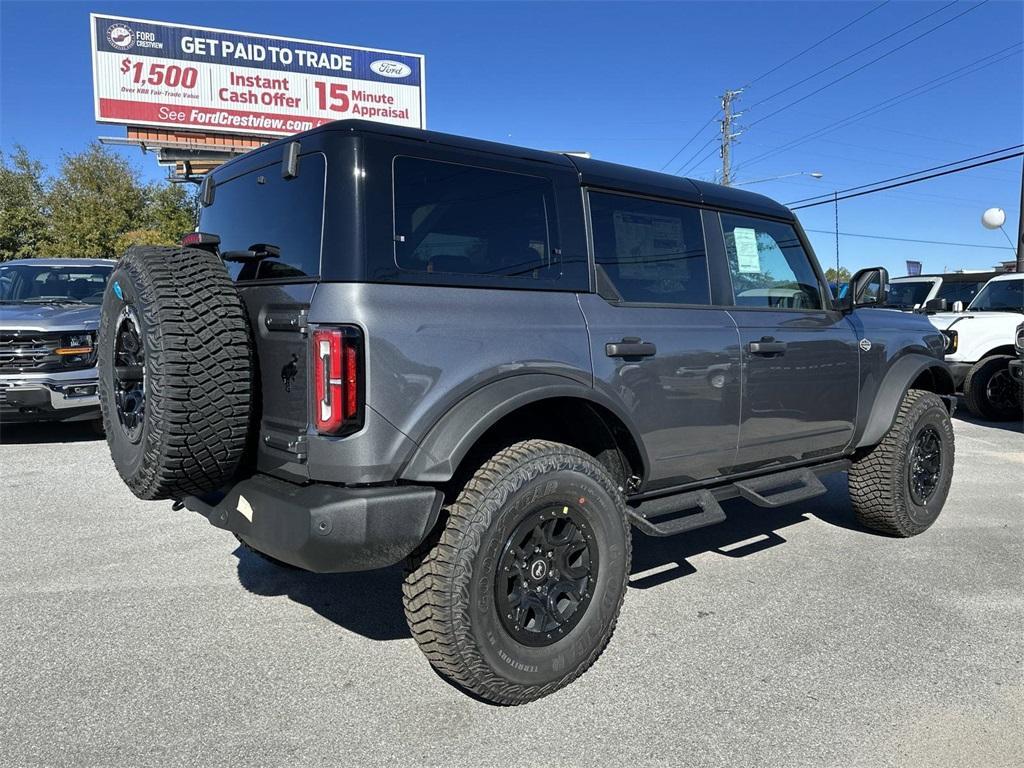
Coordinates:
[767,347]
[630,348]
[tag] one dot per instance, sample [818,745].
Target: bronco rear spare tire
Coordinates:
[175,372]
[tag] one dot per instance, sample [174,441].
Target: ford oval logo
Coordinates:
[395,69]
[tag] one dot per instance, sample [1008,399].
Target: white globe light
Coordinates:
[993,218]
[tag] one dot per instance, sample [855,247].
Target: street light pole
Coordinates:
[1020,224]
[835,202]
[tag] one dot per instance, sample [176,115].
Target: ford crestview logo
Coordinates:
[394,69]
[120,36]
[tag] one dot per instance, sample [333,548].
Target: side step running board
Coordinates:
[754,490]
[644,514]
[771,491]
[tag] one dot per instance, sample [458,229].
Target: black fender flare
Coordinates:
[894,385]
[448,441]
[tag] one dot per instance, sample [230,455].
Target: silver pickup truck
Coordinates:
[49,313]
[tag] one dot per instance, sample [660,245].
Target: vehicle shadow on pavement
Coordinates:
[747,530]
[368,603]
[48,432]
[965,416]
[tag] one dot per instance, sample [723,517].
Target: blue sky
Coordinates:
[632,82]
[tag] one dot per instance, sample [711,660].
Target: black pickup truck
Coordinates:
[493,363]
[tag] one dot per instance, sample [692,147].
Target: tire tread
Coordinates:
[437,581]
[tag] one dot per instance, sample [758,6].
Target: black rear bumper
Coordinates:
[325,528]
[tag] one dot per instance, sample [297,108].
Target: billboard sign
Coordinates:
[214,80]
[913,268]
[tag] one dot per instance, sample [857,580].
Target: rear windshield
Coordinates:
[909,294]
[261,208]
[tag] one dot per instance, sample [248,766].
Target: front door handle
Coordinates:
[630,348]
[767,347]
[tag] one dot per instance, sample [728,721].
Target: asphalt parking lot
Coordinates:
[134,635]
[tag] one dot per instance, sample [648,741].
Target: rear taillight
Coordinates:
[337,380]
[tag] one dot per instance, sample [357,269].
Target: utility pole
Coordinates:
[728,136]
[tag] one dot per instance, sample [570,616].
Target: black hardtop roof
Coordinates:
[592,172]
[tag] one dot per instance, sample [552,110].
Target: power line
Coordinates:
[824,39]
[702,160]
[835,64]
[910,181]
[717,112]
[908,175]
[687,164]
[905,239]
[866,65]
[923,88]
[698,133]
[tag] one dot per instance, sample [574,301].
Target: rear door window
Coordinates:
[770,268]
[453,219]
[262,208]
[651,252]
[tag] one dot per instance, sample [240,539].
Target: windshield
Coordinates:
[959,291]
[909,294]
[1000,296]
[41,284]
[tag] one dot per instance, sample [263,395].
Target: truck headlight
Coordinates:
[77,349]
[1019,341]
[76,344]
[952,339]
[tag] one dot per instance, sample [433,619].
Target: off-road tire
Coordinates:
[879,480]
[448,590]
[976,390]
[198,372]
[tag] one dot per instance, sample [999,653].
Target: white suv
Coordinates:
[915,291]
[980,347]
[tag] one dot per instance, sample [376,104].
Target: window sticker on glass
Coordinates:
[641,236]
[747,258]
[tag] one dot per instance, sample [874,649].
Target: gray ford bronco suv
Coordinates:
[385,344]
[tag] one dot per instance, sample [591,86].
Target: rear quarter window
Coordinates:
[263,208]
[453,220]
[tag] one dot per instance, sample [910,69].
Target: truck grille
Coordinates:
[29,352]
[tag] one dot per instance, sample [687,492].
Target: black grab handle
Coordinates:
[630,348]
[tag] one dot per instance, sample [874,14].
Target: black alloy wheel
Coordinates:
[924,465]
[545,575]
[129,375]
[1001,392]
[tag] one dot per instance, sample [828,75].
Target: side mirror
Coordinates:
[869,287]
[934,305]
[958,307]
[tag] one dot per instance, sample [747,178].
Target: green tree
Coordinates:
[843,275]
[95,199]
[23,212]
[171,211]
